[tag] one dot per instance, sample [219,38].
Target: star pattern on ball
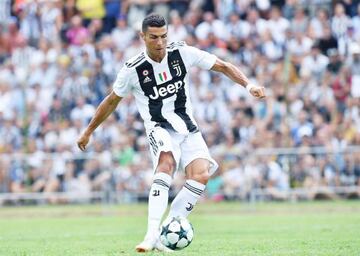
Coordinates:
[182,233]
[165,229]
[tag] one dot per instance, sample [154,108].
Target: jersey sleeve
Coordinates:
[122,84]
[199,58]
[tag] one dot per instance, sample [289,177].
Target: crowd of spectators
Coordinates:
[58,60]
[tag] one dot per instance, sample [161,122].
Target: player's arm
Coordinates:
[106,107]
[235,74]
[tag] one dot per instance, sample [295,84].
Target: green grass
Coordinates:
[316,228]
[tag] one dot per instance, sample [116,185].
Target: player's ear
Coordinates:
[142,35]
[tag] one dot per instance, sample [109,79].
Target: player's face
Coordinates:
[155,41]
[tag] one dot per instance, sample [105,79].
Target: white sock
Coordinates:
[186,199]
[158,201]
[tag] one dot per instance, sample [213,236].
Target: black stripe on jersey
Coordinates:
[136,61]
[154,149]
[176,64]
[153,143]
[145,70]
[153,146]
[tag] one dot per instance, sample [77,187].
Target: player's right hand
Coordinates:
[258,92]
[83,141]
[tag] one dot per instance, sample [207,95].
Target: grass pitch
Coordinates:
[311,228]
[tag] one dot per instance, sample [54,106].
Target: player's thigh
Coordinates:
[163,147]
[195,156]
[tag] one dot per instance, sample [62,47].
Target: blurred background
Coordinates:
[58,60]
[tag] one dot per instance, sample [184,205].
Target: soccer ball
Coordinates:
[176,233]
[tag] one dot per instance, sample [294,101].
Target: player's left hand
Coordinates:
[83,141]
[258,92]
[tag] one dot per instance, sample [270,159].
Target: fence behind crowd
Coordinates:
[262,174]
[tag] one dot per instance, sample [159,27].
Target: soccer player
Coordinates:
[159,80]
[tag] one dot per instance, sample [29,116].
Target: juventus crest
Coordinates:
[176,65]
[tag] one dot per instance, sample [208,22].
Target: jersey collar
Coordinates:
[154,62]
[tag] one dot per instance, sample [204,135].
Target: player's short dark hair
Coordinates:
[153,20]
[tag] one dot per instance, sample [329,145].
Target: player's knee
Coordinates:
[202,176]
[166,166]
[166,163]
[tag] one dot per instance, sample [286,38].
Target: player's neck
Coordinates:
[156,57]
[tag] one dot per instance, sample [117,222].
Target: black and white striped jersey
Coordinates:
[161,90]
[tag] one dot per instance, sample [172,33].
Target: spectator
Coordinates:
[113,10]
[356,24]
[319,23]
[122,35]
[327,41]
[5,11]
[300,22]
[4,179]
[77,33]
[211,25]
[51,20]
[354,66]
[176,30]
[90,9]
[278,25]
[335,62]
[315,63]
[340,22]
[278,181]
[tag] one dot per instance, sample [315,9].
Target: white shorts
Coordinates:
[185,148]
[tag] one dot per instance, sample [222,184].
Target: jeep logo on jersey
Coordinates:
[166,91]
